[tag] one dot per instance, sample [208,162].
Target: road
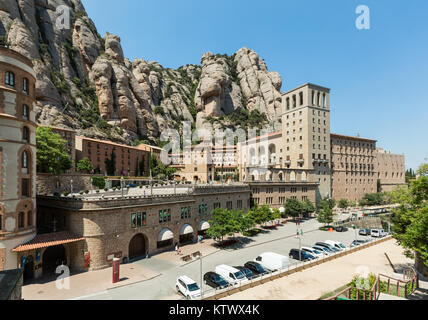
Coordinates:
[163,287]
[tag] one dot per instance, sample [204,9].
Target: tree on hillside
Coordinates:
[410,221]
[52,153]
[84,165]
[423,169]
[111,164]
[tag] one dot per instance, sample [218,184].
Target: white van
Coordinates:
[272,261]
[379,233]
[376,233]
[231,275]
[338,245]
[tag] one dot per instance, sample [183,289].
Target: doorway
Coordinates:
[137,247]
[52,258]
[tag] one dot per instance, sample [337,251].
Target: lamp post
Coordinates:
[202,284]
[121,185]
[71,186]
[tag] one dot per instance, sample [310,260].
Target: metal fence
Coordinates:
[215,294]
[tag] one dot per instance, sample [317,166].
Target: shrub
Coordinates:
[105,189]
[65,193]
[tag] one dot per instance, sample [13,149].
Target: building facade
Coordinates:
[354,167]
[391,170]
[132,227]
[17,156]
[129,161]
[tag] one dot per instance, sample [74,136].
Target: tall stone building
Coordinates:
[17,155]
[353,167]
[391,170]
[306,133]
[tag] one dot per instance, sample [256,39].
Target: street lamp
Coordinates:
[121,185]
[71,186]
[200,259]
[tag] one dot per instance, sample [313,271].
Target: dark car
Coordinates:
[215,280]
[325,245]
[301,255]
[365,232]
[357,243]
[256,268]
[248,273]
[342,229]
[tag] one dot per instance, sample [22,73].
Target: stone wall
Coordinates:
[48,184]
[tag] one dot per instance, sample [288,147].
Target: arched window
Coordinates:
[25,134]
[25,85]
[21,222]
[24,160]
[25,111]
[301,98]
[10,79]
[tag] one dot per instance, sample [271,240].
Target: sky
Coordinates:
[378,77]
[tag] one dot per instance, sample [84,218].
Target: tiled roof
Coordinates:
[48,240]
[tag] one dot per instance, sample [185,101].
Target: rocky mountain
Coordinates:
[85,83]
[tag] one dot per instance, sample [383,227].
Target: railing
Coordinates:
[390,286]
[215,294]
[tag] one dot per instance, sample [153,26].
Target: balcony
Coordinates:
[300,160]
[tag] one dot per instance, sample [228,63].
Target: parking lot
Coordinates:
[280,241]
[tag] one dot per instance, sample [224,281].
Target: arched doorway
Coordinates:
[29,269]
[186,234]
[137,246]
[52,258]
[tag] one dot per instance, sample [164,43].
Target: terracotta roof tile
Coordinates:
[48,240]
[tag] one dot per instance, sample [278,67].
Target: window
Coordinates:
[24,163]
[25,134]
[229,205]
[239,204]
[185,213]
[25,187]
[203,209]
[10,79]
[25,111]
[25,85]
[164,215]
[21,220]
[217,205]
[1,222]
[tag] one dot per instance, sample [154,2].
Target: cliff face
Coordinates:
[84,81]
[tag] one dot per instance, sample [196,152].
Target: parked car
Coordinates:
[256,268]
[338,245]
[324,250]
[301,255]
[376,233]
[247,272]
[316,253]
[272,261]
[328,246]
[231,275]
[357,243]
[188,288]
[341,229]
[215,280]
[364,232]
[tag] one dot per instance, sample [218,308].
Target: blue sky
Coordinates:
[378,77]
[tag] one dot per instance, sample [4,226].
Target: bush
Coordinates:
[81,193]
[105,189]
[99,182]
[86,191]
[65,193]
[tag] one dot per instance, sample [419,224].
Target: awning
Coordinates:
[204,225]
[165,234]
[186,229]
[48,240]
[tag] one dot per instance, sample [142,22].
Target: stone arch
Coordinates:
[268,175]
[293,176]
[165,239]
[253,159]
[25,153]
[304,176]
[53,257]
[186,235]
[272,153]
[281,176]
[138,246]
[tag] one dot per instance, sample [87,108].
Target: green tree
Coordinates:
[329,202]
[52,152]
[111,164]
[221,224]
[423,169]
[308,207]
[99,182]
[343,204]
[325,215]
[410,219]
[372,199]
[293,208]
[84,165]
